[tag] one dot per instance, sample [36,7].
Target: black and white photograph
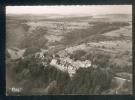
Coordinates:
[69,50]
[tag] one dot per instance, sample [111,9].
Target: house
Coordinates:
[67,64]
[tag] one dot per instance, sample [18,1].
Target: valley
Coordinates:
[39,48]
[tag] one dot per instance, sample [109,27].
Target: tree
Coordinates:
[101,59]
[31,50]
[78,54]
[36,38]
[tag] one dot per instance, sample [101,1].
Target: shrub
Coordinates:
[36,38]
[78,54]
[90,81]
[31,50]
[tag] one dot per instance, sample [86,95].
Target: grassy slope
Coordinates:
[98,28]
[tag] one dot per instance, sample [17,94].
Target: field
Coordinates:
[104,40]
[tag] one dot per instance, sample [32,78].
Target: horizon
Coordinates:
[70,10]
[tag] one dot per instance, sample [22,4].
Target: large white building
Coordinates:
[70,66]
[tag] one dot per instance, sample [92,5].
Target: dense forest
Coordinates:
[32,74]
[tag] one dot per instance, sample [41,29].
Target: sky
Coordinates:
[72,9]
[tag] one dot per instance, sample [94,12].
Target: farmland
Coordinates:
[103,40]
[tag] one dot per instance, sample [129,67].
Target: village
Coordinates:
[65,63]
[69,54]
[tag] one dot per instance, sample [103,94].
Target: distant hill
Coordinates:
[115,17]
[17,30]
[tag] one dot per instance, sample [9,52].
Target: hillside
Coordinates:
[69,55]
